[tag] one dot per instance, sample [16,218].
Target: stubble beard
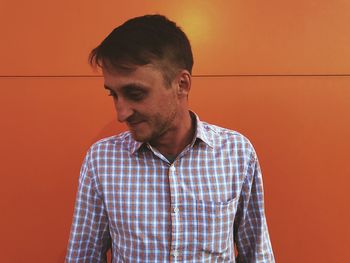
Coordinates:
[158,128]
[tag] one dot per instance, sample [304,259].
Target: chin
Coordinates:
[140,137]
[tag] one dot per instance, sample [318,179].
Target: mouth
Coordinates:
[134,124]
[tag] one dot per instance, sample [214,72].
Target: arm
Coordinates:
[89,236]
[251,233]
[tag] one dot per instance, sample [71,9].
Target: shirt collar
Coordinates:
[135,145]
[201,133]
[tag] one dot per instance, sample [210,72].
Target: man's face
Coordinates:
[143,101]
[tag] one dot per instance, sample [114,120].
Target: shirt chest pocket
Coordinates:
[215,224]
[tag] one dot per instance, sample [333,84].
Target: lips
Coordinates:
[134,124]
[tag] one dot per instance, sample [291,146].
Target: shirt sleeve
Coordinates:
[251,233]
[89,237]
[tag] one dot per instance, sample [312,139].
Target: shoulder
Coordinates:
[224,138]
[117,143]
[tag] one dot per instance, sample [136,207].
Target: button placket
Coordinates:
[175,252]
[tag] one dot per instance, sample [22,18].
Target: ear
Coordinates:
[183,83]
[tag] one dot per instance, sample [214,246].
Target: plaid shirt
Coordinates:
[133,200]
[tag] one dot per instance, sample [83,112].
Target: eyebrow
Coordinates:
[129,86]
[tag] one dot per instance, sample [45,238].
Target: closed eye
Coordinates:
[135,95]
[134,92]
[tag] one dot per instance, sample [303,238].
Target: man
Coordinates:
[172,188]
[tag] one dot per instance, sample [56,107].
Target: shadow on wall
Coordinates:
[111,128]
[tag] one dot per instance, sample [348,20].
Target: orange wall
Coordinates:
[53,106]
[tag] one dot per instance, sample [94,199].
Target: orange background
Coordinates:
[277,71]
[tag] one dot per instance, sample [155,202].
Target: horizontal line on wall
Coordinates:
[273,75]
[51,76]
[195,76]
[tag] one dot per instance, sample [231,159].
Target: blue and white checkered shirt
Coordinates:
[197,209]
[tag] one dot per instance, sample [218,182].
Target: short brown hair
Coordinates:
[144,40]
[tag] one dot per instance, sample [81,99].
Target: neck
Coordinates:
[177,138]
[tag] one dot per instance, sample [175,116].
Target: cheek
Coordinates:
[158,109]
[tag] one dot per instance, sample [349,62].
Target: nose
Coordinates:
[123,109]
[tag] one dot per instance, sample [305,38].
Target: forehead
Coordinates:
[147,75]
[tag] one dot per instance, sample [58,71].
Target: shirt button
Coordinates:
[175,253]
[176,210]
[172,168]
